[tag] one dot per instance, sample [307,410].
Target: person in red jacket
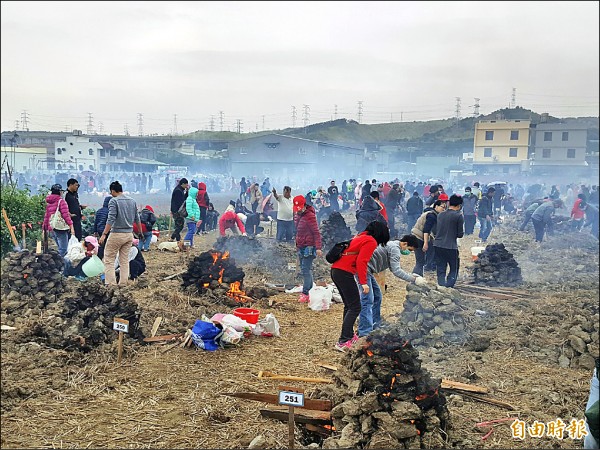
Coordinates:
[577,214]
[230,220]
[203,200]
[308,242]
[354,261]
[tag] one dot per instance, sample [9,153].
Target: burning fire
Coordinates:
[329,427]
[370,353]
[425,395]
[236,293]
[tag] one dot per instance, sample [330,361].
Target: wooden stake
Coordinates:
[170,222]
[38,247]
[448,384]
[291,426]
[155,326]
[23,235]
[120,347]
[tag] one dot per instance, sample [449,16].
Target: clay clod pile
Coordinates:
[334,230]
[496,266]
[383,398]
[432,316]
[79,320]
[31,274]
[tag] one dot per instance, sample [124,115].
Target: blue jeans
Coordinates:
[486,228]
[370,306]
[589,441]
[145,243]
[306,255]
[190,233]
[61,237]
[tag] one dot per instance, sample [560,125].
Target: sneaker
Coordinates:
[303,298]
[354,338]
[343,346]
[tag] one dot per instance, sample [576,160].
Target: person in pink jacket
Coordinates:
[54,200]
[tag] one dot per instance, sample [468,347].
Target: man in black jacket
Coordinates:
[391,201]
[177,198]
[414,208]
[485,213]
[72,199]
[333,196]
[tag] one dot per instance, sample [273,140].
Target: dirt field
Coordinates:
[153,399]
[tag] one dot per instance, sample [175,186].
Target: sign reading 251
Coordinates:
[291,398]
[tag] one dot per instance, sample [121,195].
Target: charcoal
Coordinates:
[334,230]
[496,266]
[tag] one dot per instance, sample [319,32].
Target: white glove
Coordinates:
[420,281]
[244,234]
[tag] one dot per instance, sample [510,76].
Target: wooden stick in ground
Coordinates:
[120,347]
[175,275]
[491,401]
[155,326]
[23,235]
[10,230]
[170,222]
[274,376]
[163,338]
[325,365]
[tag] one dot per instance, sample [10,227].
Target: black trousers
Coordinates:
[179,223]
[348,289]
[470,222]
[77,228]
[445,257]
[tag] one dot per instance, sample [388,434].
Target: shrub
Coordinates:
[22,207]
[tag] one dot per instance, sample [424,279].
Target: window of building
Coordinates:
[59,151]
[102,153]
[565,136]
[80,166]
[487,152]
[547,136]
[489,135]
[243,151]
[301,151]
[546,153]
[91,167]
[80,152]
[513,152]
[571,153]
[113,152]
[514,135]
[91,151]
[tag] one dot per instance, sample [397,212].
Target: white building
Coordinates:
[77,153]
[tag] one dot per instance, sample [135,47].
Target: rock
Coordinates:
[350,437]
[577,343]
[331,442]
[563,361]
[405,410]
[351,407]
[586,361]
[380,439]
[258,442]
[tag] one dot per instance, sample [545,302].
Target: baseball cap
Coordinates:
[299,202]
[57,187]
[443,196]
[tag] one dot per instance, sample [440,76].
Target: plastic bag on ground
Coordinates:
[296,289]
[75,252]
[268,326]
[235,322]
[335,294]
[320,298]
[231,336]
[205,335]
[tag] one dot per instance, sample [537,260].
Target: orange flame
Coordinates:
[225,255]
[235,292]
[329,427]
[221,275]
[424,396]
[206,285]
[370,353]
[215,256]
[392,384]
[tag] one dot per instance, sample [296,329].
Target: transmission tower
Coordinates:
[126,130]
[305,114]
[476,107]
[513,98]
[334,112]
[175,132]
[238,125]
[140,121]
[293,117]
[16,125]
[90,124]
[263,122]
[212,123]
[25,120]
[457,111]
[101,127]
[360,111]
[221,116]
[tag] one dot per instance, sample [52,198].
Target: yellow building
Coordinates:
[501,146]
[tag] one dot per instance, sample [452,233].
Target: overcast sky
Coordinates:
[255,60]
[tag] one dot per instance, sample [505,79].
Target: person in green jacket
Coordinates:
[193,215]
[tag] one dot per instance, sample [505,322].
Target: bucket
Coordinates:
[248,314]
[475,251]
[93,266]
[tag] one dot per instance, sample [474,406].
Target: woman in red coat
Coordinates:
[354,262]
[308,242]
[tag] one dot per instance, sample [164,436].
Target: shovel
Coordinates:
[16,247]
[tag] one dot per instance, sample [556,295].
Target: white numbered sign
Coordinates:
[291,398]
[121,325]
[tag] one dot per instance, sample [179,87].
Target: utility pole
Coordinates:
[221,115]
[25,120]
[140,117]
[90,124]
[305,114]
[212,123]
[293,117]
[334,112]
[239,125]
[263,122]
[175,132]
[476,107]
[513,98]
[360,111]
[457,110]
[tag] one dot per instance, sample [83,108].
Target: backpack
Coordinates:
[182,211]
[57,222]
[337,251]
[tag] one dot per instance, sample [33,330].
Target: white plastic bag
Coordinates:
[335,297]
[320,298]
[75,251]
[231,336]
[296,289]
[235,322]
[268,326]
